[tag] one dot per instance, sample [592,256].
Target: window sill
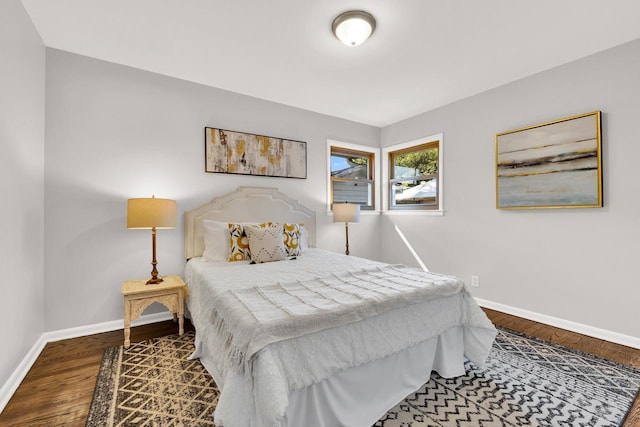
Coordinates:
[413,212]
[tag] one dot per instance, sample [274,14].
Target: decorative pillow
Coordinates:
[239,243]
[216,240]
[266,243]
[292,239]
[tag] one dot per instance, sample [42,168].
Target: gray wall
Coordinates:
[114,133]
[22,92]
[573,264]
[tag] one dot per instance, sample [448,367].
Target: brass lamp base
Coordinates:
[154,272]
[346,229]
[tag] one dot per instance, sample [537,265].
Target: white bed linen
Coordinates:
[375,387]
[281,368]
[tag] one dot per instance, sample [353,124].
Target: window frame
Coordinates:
[408,147]
[360,150]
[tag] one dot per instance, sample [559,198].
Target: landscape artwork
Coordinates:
[247,154]
[551,165]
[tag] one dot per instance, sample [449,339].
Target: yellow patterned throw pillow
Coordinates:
[292,239]
[266,243]
[239,242]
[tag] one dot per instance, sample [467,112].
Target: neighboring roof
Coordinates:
[356,171]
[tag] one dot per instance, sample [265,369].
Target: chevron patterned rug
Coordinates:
[527,382]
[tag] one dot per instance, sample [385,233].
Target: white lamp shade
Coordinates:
[151,212]
[346,212]
[354,27]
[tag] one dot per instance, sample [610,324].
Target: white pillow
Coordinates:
[304,238]
[216,240]
[266,243]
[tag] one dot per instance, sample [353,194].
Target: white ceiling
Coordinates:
[423,54]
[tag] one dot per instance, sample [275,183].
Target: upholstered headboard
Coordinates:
[246,204]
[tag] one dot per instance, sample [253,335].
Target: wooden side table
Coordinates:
[138,296]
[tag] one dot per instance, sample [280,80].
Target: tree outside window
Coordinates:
[414,175]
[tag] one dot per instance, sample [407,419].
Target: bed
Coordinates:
[317,338]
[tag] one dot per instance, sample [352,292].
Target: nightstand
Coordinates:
[138,296]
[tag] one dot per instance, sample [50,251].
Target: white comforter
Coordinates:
[259,396]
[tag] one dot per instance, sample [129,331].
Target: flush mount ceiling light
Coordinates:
[354,27]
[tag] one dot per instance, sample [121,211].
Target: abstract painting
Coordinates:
[228,151]
[551,165]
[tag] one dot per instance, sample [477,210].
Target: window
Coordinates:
[352,174]
[414,175]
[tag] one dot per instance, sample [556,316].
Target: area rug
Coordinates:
[152,383]
[527,382]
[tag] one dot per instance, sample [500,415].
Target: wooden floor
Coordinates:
[57,390]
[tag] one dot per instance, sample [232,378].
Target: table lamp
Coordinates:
[346,212]
[151,214]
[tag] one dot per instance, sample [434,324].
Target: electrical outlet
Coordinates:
[475,281]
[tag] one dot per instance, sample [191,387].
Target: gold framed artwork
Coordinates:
[242,153]
[556,164]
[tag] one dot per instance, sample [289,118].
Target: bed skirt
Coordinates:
[375,387]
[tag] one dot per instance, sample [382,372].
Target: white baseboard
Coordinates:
[21,371]
[97,328]
[615,337]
